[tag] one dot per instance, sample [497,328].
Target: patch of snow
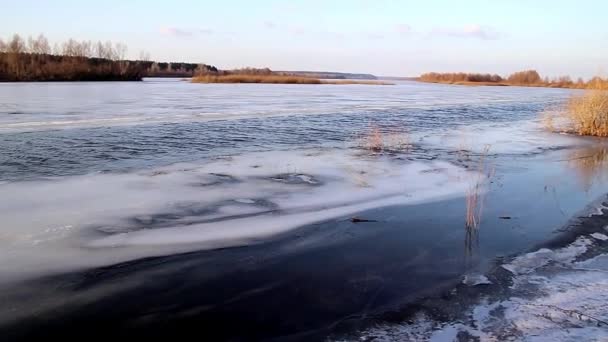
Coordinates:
[570,305]
[244,200]
[475,279]
[531,261]
[599,236]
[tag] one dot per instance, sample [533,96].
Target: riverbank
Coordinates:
[557,291]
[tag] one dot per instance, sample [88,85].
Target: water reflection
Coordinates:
[471,246]
[589,165]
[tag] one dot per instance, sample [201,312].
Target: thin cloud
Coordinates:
[469,31]
[180,32]
[270,25]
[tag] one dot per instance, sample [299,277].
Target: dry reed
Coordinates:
[474,195]
[274,79]
[588,113]
[584,113]
[242,78]
[391,140]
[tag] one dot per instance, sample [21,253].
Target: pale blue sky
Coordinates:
[384,37]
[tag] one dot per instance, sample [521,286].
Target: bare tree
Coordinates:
[30,45]
[104,50]
[144,55]
[56,49]
[39,45]
[16,45]
[85,49]
[120,51]
[98,50]
[69,48]
[3,46]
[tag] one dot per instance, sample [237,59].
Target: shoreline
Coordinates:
[448,313]
[276,79]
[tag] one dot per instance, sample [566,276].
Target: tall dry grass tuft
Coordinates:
[375,140]
[389,140]
[474,200]
[588,113]
[474,196]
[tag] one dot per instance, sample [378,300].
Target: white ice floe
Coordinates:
[509,137]
[99,219]
[476,279]
[569,304]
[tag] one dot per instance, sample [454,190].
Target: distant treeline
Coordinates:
[530,78]
[35,60]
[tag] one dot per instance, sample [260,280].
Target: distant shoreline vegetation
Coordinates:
[526,78]
[267,76]
[35,61]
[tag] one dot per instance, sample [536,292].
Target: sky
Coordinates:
[383,37]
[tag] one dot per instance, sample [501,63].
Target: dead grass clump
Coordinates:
[390,140]
[588,113]
[272,78]
[584,113]
[474,195]
[255,78]
[375,141]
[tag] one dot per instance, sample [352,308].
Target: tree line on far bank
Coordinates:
[522,78]
[35,60]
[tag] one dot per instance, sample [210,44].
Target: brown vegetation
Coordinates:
[35,60]
[459,77]
[474,195]
[238,78]
[584,114]
[390,140]
[251,75]
[526,78]
[589,113]
[44,67]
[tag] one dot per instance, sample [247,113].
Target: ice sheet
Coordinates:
[98,219]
